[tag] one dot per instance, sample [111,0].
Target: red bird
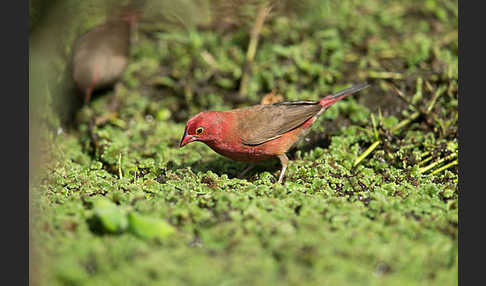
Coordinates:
[259,132]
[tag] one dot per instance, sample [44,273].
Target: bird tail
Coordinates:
[331,99]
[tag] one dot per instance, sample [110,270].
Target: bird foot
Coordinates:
[285,161]
[242,174]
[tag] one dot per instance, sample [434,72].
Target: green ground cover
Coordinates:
[118,203]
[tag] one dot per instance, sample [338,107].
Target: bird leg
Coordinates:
[246,170]
[87,96]
[285,161]
[89,90]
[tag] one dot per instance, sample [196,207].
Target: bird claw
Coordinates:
[242,174]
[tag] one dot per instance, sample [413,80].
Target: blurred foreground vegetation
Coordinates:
[116,202]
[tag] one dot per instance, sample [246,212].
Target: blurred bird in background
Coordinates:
[101,55]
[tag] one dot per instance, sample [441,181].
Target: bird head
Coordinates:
[203,127]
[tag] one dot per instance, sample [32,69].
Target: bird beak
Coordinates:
[186,139]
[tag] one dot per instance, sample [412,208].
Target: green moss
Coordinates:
[120,203]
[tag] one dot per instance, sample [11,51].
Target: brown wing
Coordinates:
[107,39]
[103,49]
[262,123]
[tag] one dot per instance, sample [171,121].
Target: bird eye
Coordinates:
[199,130]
